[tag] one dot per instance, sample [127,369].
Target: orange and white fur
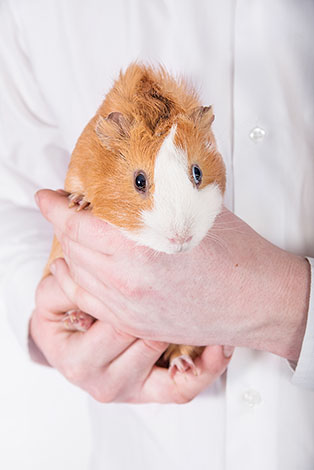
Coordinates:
[147,163]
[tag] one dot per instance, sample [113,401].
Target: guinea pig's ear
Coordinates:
[112,128]
[203,116]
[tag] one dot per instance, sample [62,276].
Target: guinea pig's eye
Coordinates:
[140,181]
[197,174]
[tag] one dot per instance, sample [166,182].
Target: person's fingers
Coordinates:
[92,296]
[51,298]
[103,267]
[77,294]
[82,357]
[116,304]
[136,362]
[81,226]
[89,266]
[50,336]
[76,354]
[161,387]
[101,334]
[81,255]
[212,362]
[113,365]
[103,343]
[91,270]
[46,325]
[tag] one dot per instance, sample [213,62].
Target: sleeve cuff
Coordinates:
[304,370]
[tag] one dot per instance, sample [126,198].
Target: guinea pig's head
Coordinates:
[163,189]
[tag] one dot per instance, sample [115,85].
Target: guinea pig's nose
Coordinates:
[179,239]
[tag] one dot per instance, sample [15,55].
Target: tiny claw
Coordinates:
[76,320]
[228,351]
[74,199]
[83,205]
[182,364]
[78,200]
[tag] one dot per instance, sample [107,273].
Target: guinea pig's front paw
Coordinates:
[79,200]
[182,364]
[76,320]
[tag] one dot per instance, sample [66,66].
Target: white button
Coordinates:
[257,134]
[252,397]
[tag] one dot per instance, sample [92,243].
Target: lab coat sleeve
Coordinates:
[304,371]
[32,156]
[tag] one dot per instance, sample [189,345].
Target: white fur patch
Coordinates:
[181,214]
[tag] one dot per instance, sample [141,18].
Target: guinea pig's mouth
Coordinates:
[165,243]
[179,244]
[178,249]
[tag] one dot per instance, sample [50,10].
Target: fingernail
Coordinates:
[228,351]
[52,268]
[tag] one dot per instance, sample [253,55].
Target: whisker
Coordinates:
[226,229]
[214,238]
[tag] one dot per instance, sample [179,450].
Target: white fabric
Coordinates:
[253,60]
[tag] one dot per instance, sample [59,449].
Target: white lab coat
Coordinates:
[253,61]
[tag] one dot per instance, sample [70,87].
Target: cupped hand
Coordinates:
[109,364]
[235,288]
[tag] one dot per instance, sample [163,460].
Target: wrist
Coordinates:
[292,317]
[284,290]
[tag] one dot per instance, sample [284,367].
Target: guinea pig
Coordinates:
[147,162]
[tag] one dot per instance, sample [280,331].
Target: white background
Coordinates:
[43,419]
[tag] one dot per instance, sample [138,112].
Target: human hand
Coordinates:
[235,288]
[109,364]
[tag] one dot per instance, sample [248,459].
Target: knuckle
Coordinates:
[131,397]
[74,373]
[181,399]
[102,396]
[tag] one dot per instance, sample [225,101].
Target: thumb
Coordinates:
[213,360]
